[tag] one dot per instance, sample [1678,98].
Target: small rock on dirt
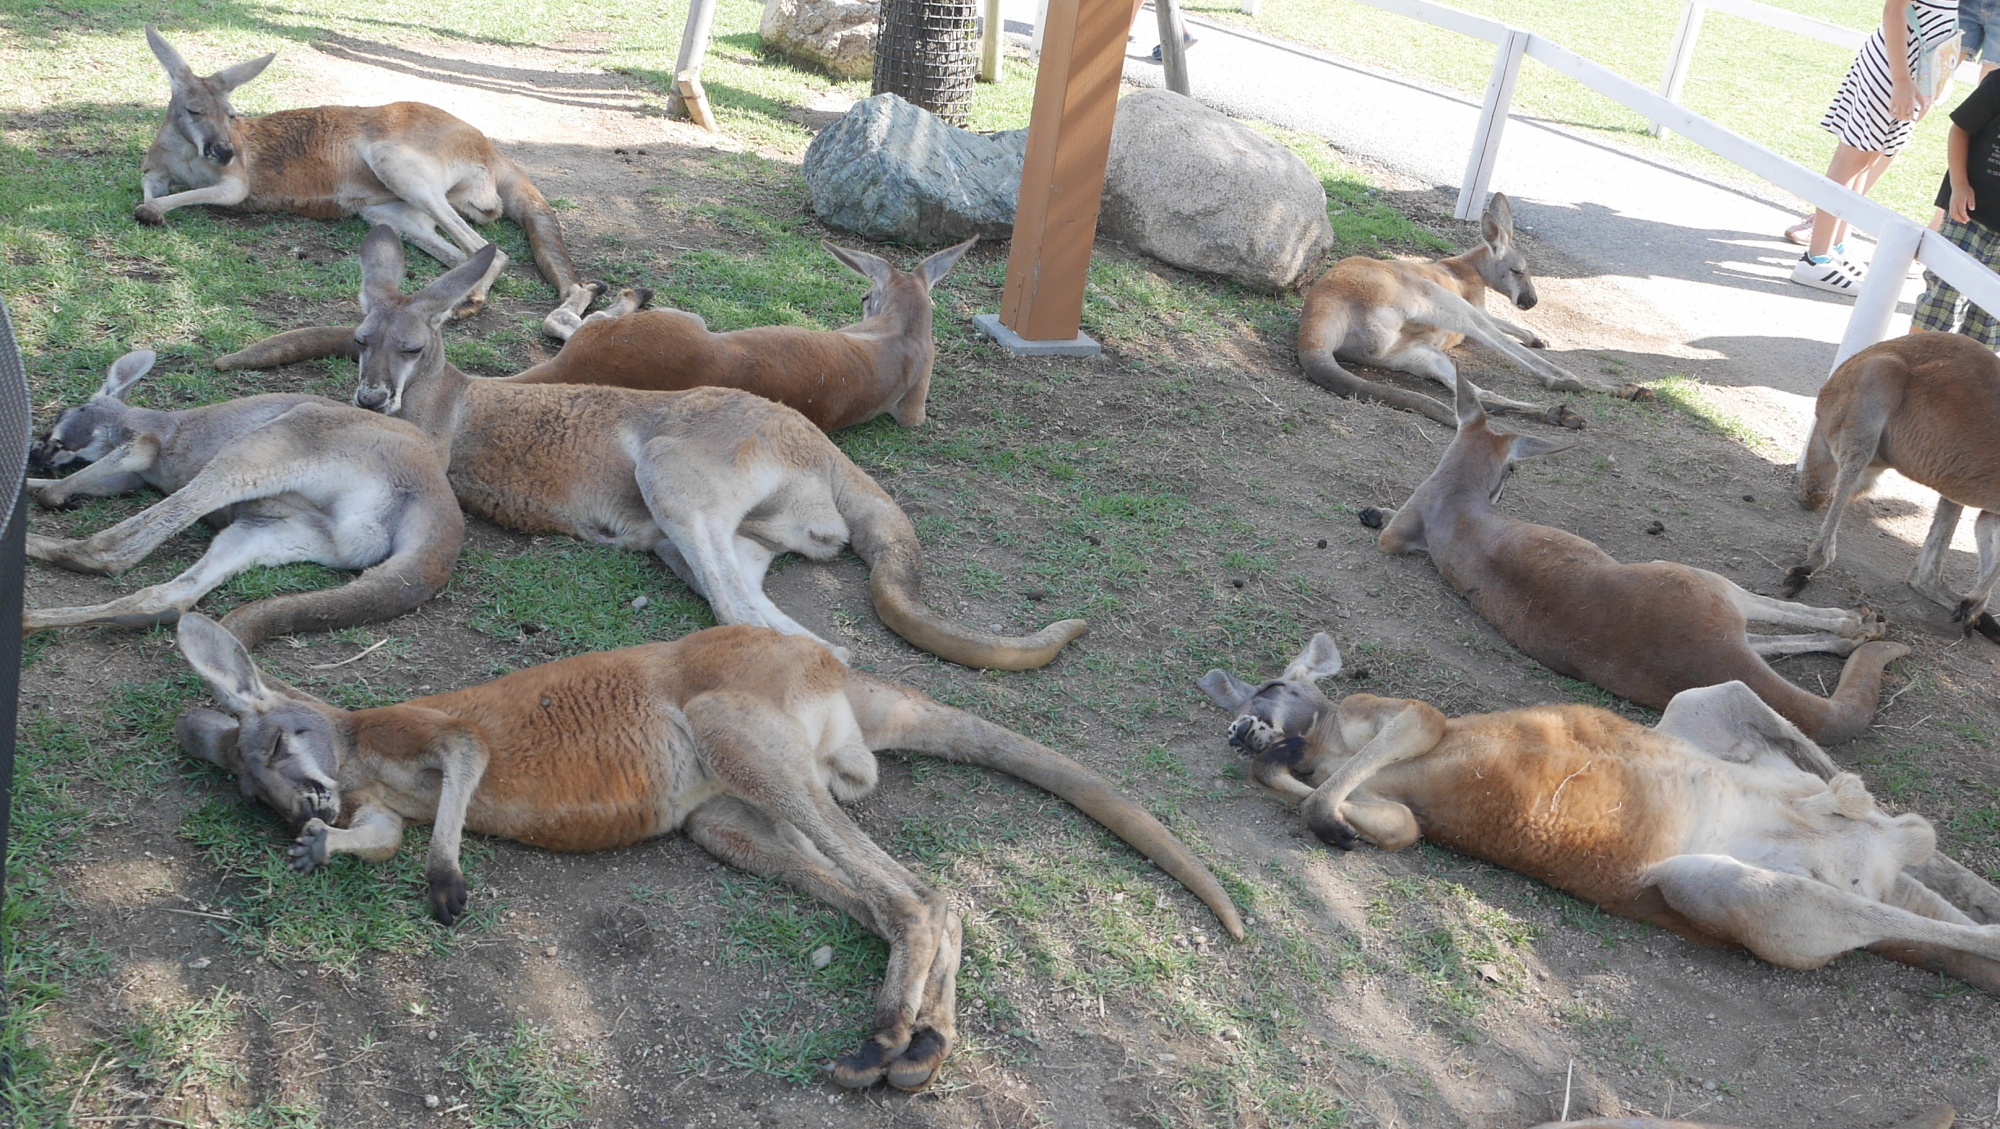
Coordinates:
[639,603]
[822,956]
[894,172]
[431,1101]
[1197,189]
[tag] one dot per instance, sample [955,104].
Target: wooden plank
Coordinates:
[1062,176]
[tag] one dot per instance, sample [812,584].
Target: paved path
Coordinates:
[1701,253]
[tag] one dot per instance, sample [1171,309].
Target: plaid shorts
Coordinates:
[1943,309]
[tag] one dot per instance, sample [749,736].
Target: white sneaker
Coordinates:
[1835,276]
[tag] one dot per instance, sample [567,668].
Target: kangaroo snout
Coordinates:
[220,152]
[1526,301]
[371,397]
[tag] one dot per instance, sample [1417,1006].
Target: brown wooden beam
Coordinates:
[1062,178]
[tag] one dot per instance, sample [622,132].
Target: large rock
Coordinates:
[837,36]
[1204,192]
[892,172]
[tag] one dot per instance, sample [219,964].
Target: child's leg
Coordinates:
[1982,243]
[1942,309]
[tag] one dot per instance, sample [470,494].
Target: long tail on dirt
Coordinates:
[522,202]
[1846,714]
[306,344]
[896,717]
[1326,372]
[427,545]
[881,535]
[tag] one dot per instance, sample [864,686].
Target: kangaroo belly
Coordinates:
[1575,798]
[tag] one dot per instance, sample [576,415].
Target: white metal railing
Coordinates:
[1682,56]
[1898,241]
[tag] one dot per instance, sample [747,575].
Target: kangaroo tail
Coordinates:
[1846,714]
[294,345]
[1326,372]
[894,717]
[427,545]
[522,202]
[882,536]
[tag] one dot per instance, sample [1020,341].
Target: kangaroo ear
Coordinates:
[1497,225]
[219,658]
[874,268]
[229,78]
[933,269]
[1225,689]
[177,68]
[381,266]
[1466,403]
[125,372]
[436,301]
[1533,446]
[1320,659]
[209,736]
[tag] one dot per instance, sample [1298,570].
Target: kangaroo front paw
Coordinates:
[1561,416]
[448,895]
[1870,625]
[1987,626]
[918,1066]
[149,214]
[1633,392]
[468,308]
[309,850]
[1371,517]
[866,1066]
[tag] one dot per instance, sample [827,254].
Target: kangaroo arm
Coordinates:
[374,834]
[1390,731]
[224,193]
[462,760]
[120,471]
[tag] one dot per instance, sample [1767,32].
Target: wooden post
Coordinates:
[1173,45]
[992,35]
[687,97]
[1062,177]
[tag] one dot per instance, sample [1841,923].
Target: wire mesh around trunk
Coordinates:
[928,52]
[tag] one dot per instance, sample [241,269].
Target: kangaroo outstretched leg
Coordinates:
[1797,922]
[764,757]
[1398,730]
[1927,575]
[242,544]
[563,321]
[1860,625]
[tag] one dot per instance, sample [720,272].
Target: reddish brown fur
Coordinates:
[1942,395]
[837,378]
[1359,282]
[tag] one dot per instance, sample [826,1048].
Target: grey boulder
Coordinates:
[1199,190]
[837,36]
[893,172]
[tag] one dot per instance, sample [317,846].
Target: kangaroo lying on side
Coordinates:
[1723,823]
[296,478]
[1642,631]
[716,481]
[408,165]
[1929,406]
[741,737]
[836,379]
[1403,316]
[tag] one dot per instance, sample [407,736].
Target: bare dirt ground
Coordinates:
[633,963]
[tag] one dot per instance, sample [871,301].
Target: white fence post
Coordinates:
[1035,40]
[1881,290]
[687,96]
[1249,7]
[1682,57]
[1492,119]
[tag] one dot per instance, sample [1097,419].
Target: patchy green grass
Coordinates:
[521,1080]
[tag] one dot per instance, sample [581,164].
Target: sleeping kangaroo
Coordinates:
[408,165]
[741,737]
[1403,316]
[1642,631]
[1723,823]
[835,378]
[715,481]
[294,477]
